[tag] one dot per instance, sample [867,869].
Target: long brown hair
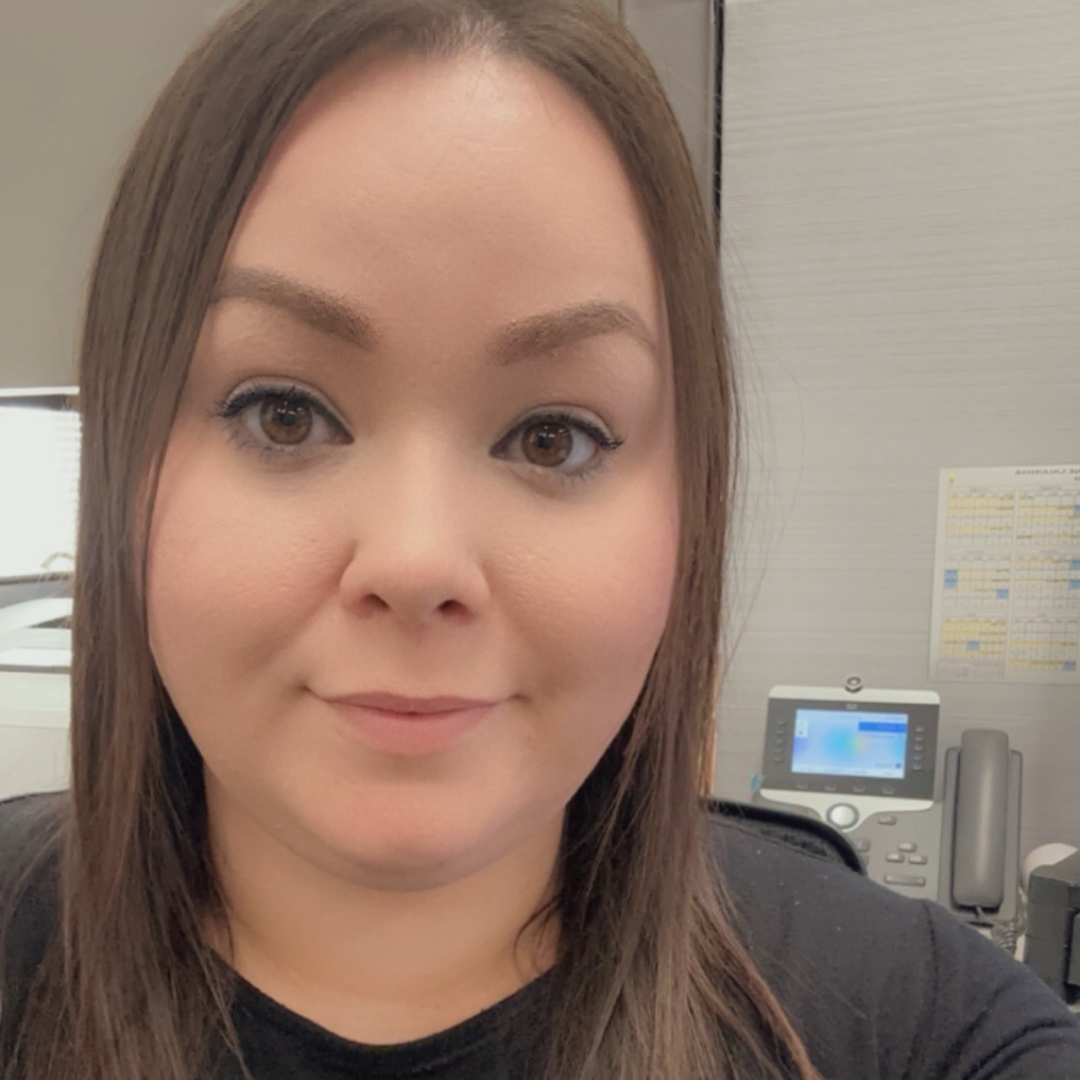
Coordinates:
[651,980]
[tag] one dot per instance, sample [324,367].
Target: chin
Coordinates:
[407,851]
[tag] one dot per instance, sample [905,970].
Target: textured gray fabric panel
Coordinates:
[901,252]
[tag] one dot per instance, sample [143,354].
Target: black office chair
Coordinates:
[795,830]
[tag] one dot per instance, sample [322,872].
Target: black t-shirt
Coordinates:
[880,987]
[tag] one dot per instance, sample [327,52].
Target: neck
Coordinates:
[374,965]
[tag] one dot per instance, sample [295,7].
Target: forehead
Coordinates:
[478,188]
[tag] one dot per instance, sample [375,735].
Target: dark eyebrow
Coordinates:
[541,335]
[537,335]
[319,309]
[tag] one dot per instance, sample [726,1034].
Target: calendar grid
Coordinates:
[1007,588]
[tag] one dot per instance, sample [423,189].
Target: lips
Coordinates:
[409,706]
[408,734]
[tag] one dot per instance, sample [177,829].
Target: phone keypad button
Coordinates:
[908,847]
[886,819]
[862,846]
[892,856]
[918,860]
[905,879]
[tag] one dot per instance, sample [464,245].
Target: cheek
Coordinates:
[222,570]
[599,609]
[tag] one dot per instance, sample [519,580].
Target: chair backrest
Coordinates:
[806,834]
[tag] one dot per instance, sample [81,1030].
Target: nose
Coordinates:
[416,534]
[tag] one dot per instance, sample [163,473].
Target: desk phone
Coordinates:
[864,761]
[866,766]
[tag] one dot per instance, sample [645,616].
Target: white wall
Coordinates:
[901,248]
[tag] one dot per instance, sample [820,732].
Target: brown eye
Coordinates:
[288,421]
[284,421]
[562,446]
[552,441]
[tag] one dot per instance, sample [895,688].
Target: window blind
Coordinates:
[39,489]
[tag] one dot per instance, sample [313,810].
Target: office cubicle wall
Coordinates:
[901,251]
[680,38]
[75,81]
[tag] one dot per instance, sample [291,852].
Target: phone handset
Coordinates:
[982,804]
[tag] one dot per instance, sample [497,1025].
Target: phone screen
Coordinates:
[835,742]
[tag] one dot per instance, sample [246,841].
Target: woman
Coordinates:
[407,430]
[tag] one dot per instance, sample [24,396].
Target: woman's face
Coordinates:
[365,490]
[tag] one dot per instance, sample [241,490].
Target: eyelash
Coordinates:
[230,408]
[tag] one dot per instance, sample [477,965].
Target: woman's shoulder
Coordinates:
[792,869]
[810,920]
[26,819]
[29,828]
[880,985]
